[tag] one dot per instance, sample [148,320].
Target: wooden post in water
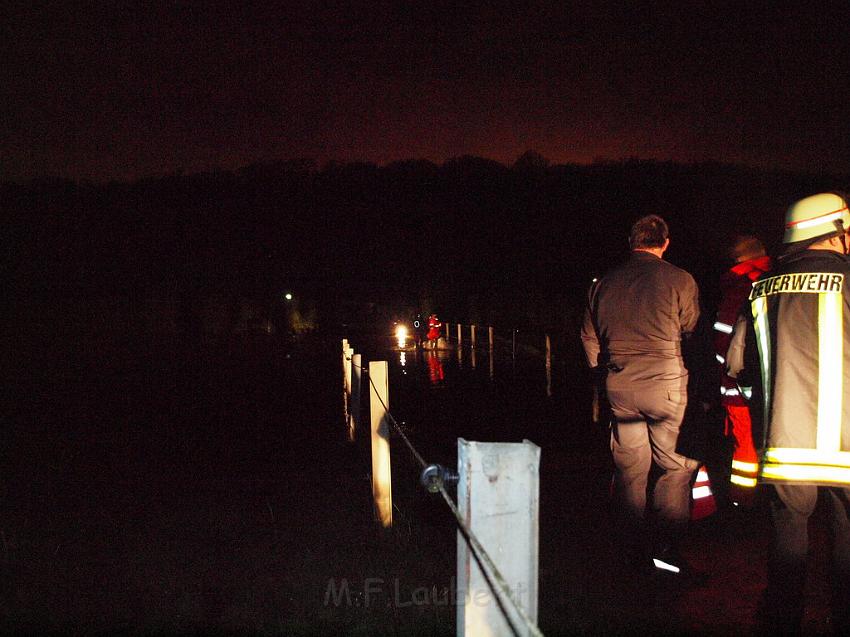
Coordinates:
[490,336]
[548,366]
[459,336]
[379,403]
[498,494]
[472,336]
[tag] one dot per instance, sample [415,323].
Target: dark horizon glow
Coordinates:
[121,93]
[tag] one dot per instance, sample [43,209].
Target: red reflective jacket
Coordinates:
[735,287]
[434,326]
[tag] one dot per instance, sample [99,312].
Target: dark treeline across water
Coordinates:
[478,240]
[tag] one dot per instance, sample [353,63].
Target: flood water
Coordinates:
[152,486]
[499,395]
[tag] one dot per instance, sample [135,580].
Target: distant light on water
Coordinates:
[288,296]
[401,335]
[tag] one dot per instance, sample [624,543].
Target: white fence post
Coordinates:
[349,354]
[344,362]
[356,385]
[346,397]
[379,403]
[498,494]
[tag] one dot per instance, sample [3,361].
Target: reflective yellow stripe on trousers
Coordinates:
[744,473]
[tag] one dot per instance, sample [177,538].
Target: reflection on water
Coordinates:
[525,378]
[349,421]
[436,361]
[436,373]
[452,358]
[491,356]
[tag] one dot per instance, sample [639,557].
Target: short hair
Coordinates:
[744,247]
[648,232]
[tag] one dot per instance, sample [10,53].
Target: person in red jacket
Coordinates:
[434,326]
[740,458]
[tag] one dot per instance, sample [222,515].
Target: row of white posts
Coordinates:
[379,404]
[472,342]
[498,496]
[490,333]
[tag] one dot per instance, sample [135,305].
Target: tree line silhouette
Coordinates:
[477,239]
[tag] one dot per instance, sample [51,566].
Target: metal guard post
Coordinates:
[435,476]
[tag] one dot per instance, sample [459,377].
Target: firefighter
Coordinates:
[418,329]
[632,330]
[737,461]
[434,326]
[793,347]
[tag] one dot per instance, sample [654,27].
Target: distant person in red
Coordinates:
[750,262]
[434,326]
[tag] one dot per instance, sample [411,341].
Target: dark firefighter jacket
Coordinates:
[635,320]
[794,347]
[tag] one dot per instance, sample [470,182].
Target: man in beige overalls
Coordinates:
[636,318]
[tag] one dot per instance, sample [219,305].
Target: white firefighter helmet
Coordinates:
[815,216]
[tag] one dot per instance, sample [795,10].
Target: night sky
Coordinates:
[108,92]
